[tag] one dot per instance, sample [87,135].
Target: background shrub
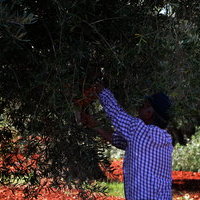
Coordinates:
[187,158]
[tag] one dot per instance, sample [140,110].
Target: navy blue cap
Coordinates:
[161,103]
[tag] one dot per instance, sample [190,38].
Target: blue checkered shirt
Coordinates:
[148,153]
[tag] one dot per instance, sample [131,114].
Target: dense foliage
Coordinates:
[186,158]
[52,50]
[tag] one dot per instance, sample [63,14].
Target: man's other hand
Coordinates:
[88,120]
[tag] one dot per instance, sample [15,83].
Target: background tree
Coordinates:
[51,51]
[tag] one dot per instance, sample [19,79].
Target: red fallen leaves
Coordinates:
[115,172]
[184,183]
[18,162]
[14,193]
[18,159]
[179,175]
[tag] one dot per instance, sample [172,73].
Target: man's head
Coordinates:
[155,110]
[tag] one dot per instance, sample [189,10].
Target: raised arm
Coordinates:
[124,124]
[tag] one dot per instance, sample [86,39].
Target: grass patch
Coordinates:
[114,189]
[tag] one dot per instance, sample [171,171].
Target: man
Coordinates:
[148,146]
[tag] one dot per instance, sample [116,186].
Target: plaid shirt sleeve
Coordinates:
[122,122]
[118,141]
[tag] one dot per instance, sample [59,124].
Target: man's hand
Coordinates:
[88,120]
[89,95]
[98,88]
[93,91]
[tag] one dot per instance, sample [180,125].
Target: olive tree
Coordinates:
[52,51]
